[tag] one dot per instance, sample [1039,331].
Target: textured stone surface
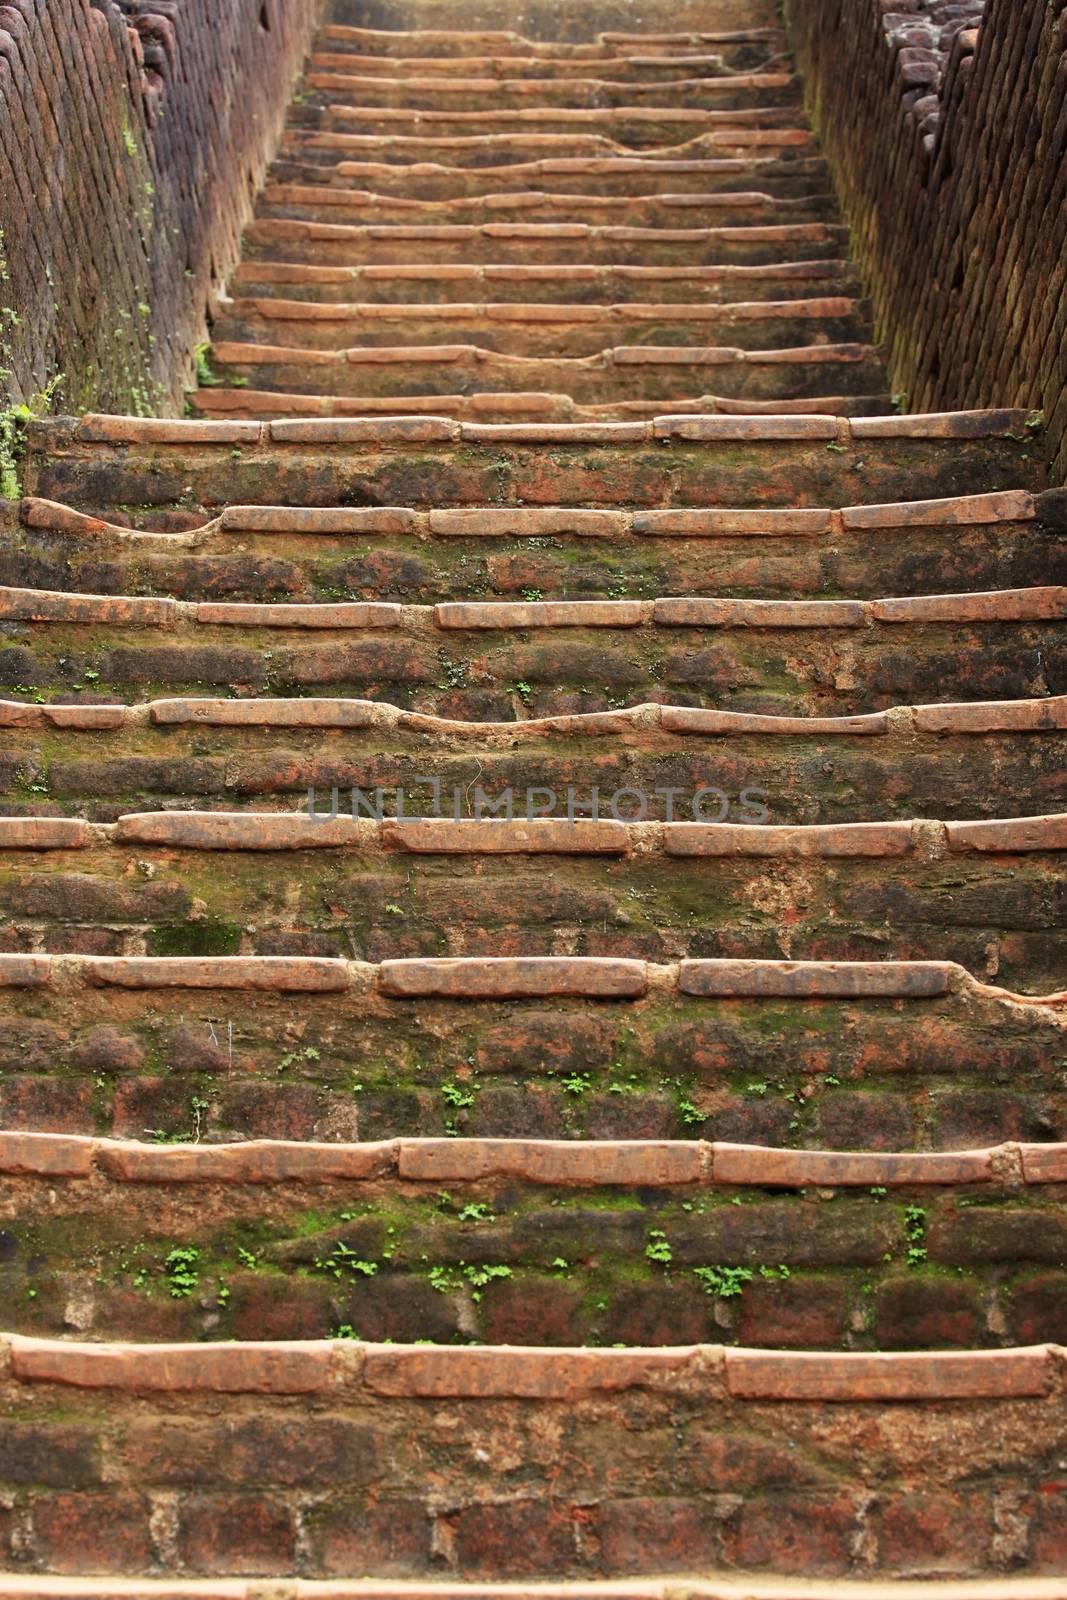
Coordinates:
[947,142]
[126,182]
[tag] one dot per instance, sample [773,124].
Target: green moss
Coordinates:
[207,937]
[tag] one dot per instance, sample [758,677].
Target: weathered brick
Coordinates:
[55,1454]
[90,1533]
[926,1533]
[247,1534]
[246,1452]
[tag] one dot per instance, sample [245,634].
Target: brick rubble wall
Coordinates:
[948,145]
[133,137]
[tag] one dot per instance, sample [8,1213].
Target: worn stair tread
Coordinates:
[486,977]
[647,372]
[579,1163]
[655,99]
[995,607]
[311,164]
[286,830]
[408,555]
[544,330]
[494,522]
[392,41]
[274,309]
[99,429]
[526,284]
[505,405]
[484,1372]
[326,200]
[639,68]
[22,1586]
[612,243]
[972,718]
[747,133]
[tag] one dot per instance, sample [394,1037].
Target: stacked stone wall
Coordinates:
[948,144]
[133,138]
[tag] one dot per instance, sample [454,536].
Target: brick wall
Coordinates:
[328,1460]
[948,145]
[133,136]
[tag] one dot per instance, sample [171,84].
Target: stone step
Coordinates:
[607,183]
[103,463]
[103,760]
[259,1451]
[543,244]
[536,1243]
[580,284]
[838,1056]
[399,554]
[510,55]
[241,403]
[654,101]
[745,136]
[621,372]
[795,658]
[987,894]
[730,205]
[19,1586]
[445,45]
[635,128]
[637,67]
[544,331]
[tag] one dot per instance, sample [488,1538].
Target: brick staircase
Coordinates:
[658,1193]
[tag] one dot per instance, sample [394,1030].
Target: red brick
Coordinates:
[513,1539]
[240,1534]
[798,1313]
[926,1533]
[91,1533]
[671,1535]
[391,1538]
[790,1533]
[245,1452]
[926,1313]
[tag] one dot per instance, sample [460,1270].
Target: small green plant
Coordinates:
[181,1272]
[689,1114]
[915,1234]
[457,1098]
[14,420]
[343,1262]
[292,1056]
[725,1283]
[204,375]
[524,692]
[247,1258]
[346,1331]
[446,1280]
[191,1135]
[480,1277]
[577,1084]
[658,1248]
[476,1211]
